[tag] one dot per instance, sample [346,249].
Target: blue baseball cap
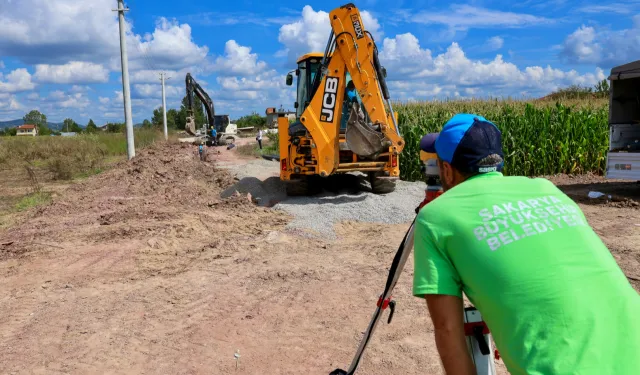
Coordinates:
[464,141]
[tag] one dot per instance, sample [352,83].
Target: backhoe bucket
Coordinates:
[190,126]
[361,138]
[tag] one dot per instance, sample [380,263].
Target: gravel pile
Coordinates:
[319,213]
[346,198]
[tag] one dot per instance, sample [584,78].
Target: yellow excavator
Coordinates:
[344,118]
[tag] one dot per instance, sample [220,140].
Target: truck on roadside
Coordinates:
[623,157]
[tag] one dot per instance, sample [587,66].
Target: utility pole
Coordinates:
[131,151]
[164,106]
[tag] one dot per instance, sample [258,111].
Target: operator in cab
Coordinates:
[551,293]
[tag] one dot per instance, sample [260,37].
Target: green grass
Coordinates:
[539,138]
[67,157]
[33,200]
[250,149]
[270,146]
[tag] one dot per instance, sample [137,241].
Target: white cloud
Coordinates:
[75,101]
[103,100]
[17,81]
[246,94]
[238,60]
[495,43]
[414,72]
[153,76]
[311,32]
[170,46]
[33,96]
[616,8]
[463,17]
[77,88]
[588,45]
[73,72]
[57,95]
[74,30]
[9,104]
[88,31]
[1,64]
[236,18]
[155,91]
[59,99]
[113,115]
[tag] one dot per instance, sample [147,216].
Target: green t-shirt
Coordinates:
[550,291]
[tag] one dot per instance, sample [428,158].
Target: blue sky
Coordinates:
[62,57]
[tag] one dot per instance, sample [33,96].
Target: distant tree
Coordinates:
[35,117]
[91,127]
[68,125]
[40,120]
[173,117]
[198,109]
[254,120]
[75,127]
[602,88]
[12,132]
[115,127]
[177,119]
[147,124]
[157,116]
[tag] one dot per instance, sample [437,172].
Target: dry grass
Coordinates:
[67,157]
[31,168]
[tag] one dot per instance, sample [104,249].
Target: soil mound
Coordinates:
[150,195]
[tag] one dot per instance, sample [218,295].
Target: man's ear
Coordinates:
[447,174]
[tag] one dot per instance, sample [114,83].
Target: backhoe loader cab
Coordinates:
[342,121]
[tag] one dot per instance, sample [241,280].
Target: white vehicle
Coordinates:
[623,158]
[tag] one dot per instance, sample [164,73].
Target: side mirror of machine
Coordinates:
[289,79]
[295,105]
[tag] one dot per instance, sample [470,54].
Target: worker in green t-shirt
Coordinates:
[552,295]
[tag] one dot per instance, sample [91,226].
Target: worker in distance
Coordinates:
[551,293]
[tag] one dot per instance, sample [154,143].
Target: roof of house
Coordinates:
[629,70]
[26,126]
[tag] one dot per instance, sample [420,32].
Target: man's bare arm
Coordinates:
[446,314]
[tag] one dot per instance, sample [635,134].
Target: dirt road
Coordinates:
[144,269]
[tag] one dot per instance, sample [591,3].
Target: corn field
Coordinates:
[543,138]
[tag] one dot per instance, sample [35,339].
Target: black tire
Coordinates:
[302,186]
[381,185]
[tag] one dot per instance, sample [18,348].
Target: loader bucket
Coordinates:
[190,126]
[361,138]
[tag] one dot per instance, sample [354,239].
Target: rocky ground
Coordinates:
[165,265]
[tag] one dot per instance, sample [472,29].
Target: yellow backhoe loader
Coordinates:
[342,123]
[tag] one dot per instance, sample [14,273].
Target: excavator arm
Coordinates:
[351,48]
[194,88]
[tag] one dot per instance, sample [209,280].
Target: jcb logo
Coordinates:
[357,26]
[329,99]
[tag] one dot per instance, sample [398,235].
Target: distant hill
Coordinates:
[57,125]
[13,123]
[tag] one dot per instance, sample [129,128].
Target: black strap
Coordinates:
[399,261]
